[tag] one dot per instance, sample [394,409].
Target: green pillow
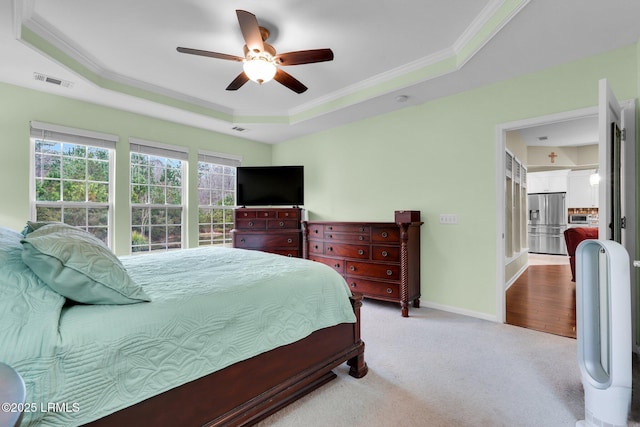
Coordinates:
[34,225]
[79,266]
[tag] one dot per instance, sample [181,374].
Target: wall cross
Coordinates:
[553,156]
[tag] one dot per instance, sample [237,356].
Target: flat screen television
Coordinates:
[270,185]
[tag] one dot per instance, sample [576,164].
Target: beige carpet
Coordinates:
[440,369]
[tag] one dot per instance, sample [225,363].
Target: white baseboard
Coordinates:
[514,278]
[457,310]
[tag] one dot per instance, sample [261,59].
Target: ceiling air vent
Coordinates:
[238,129]
[52,80]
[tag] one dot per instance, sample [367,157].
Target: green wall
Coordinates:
[439,157]
[18,106]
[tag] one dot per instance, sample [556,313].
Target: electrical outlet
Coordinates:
[448,219]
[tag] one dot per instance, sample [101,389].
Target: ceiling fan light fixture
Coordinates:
[260,69]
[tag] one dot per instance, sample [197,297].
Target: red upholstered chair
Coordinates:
[573,237]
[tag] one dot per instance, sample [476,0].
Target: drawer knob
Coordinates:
[330,228]
[385,234]
[361,237]
[389,291]
[246,214]
[352,268]
[330,236]
[336,265]
[353,285]
[250,223]
[290,255]
[286,214]
[289,240]
[281,223]
[266,214]
[360,252]
[330,249]
[242,240]
[361,229]
[315,231]
[385,253]
[389,272]
[315,247]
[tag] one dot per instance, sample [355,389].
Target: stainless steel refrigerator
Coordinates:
[547,223]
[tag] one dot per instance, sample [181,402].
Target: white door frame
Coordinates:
[501,136]
[629,188]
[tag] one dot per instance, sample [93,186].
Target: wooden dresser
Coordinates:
[378,259]
[275,230]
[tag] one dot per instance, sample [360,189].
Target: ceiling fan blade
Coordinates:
[304,57]
[210,54]
[250,30]
[238,82]
[289,81]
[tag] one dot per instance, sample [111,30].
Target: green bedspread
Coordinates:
[210,308]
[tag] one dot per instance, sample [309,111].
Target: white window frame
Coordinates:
[68,135]
[220,159]
[167,151]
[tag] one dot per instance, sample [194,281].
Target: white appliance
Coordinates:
[603,320]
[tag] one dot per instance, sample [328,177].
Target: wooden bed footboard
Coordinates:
[249,391]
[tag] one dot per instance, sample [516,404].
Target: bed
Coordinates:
[203,336]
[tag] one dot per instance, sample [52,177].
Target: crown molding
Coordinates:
[495,15]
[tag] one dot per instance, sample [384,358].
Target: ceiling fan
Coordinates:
[260,59]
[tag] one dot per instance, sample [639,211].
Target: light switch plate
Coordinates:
[448,219]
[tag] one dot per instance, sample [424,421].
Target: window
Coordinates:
[216,197]
[72,170]
[157,206]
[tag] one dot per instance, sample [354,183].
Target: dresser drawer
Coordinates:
[335,263]
[347,228]
[346,250]
[266,240]
[385,234]
[275,224]
[251,224]
[383,271]
[316,247]
[385,253]
[288,214]
[316,231]
[373,288]
[292,253]
[345,237]
[245,213]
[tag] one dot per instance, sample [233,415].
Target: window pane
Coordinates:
[74,191]
[98,170]
[158,216]
[98,216]
[174,216]
[47,190]
[156,195]
[48,214]
[174,196]
[139,193]
[74,168]
[98,192]
[75,216]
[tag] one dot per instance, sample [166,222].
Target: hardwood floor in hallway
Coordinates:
[543,298]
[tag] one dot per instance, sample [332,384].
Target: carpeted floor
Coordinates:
[441,369]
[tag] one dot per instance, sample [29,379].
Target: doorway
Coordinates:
[629,177]
[558,157]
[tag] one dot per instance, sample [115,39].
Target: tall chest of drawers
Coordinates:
[378,259]
[275,230]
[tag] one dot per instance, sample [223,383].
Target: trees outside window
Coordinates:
[216,200]
[72,185]
[156,202]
